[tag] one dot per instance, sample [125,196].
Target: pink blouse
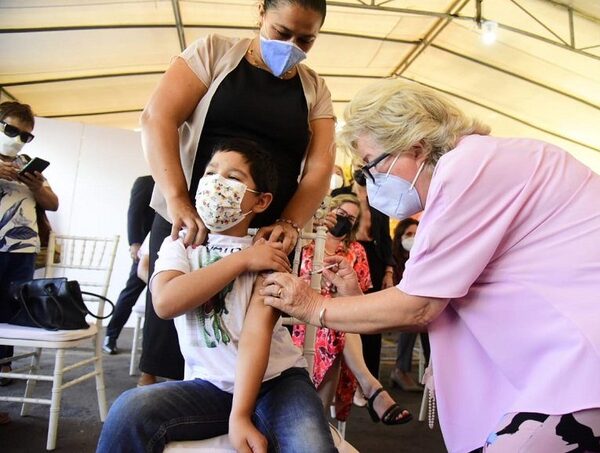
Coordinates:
[511,234]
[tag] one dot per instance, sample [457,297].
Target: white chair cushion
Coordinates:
[38,334]
[221,444]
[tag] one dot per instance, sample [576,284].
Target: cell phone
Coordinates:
[36,164]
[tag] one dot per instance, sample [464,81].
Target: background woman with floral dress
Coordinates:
[331,374]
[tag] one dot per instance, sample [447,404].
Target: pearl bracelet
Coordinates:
[291,223]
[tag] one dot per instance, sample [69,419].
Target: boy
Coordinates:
[226,334]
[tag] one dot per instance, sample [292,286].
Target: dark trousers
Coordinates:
[14,268]
[161,355]
[406,343]
[127,299]
[372,352]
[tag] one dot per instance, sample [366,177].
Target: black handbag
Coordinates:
[52,304]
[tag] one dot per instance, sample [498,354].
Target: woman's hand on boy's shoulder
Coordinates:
[266,256]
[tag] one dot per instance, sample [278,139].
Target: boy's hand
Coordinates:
[244,436]
[266,256]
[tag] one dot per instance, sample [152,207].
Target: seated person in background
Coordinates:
[331,373]
[404,236]
[245,375]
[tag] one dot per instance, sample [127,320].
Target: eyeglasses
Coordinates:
[342,212]
[12,131]
[360,175]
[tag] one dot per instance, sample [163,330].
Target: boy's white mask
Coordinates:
[219,200]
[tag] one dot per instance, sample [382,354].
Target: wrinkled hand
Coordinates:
[293,296]
[266,256]
[134,249]
[244,436]
[388,280]
[8,171]
[33,180]
[184,215]
[344,278]
[279,232]
[328,221]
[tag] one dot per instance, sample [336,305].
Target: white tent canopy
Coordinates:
[97,61]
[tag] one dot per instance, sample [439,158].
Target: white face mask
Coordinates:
[394,196]
[336,182]
[219,202]
[407,243]
[10,146]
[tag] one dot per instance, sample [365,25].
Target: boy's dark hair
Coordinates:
[22,112]
[262,168]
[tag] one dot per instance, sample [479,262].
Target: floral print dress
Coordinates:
[329,343]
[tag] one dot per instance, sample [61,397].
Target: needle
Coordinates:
[323,268]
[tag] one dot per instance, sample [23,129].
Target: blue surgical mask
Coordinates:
[280,56]
[394,196]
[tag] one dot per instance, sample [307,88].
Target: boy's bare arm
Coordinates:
[175,292]
[253,357]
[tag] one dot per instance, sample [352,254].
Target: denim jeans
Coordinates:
[288,413]
[14,268]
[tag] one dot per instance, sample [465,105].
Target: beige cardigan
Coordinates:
[211,59]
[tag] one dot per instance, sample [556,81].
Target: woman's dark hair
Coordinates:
[319,6]
[401,255]
[22,112]
[262,167]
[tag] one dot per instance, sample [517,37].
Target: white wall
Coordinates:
[91,170]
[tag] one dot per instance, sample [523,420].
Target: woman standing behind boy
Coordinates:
[221,87]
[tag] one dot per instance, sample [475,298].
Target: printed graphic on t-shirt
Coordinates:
[210,315]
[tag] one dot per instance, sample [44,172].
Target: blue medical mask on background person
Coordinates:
[10,146]
[394,196]
[280,56]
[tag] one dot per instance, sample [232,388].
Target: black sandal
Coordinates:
[390,416]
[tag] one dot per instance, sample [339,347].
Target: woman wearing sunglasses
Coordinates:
[20,193]
[339,364]
[504,273]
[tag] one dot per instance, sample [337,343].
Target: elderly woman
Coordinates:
[504,271]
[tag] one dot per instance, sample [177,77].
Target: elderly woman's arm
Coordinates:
[390,309]
[173,101]
[313,186]
[382,311]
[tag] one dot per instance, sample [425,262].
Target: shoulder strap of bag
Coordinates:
[104,299]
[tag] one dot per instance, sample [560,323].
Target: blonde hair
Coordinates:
[399,115]
[339,200]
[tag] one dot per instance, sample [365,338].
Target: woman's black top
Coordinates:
[253,104]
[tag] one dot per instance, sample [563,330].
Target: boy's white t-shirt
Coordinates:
[209,334]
